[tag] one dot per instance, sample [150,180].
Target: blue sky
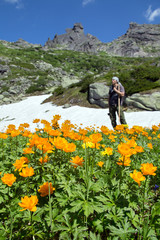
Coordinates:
[36,20]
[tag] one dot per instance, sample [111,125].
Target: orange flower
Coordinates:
[69,147]
[27,151]
[44,159]
[95,137]
[137,177]
[104,129]
[150,145]
[77,161]
[15,133]
[3,135]
[54,133]
[44,189]
[138,149]
[108,151]
[112,138]
[27,133]
[59,142]
[124,149]
[148,169]
[29,203]
[27,172]
[19,164]
[124,160]
[36,120]
[88,145]
[155,128]
[100,164]
[8,179]
[120,127]
[25,159]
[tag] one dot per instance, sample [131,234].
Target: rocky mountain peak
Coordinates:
[140,40]
[74,39]
[143,33]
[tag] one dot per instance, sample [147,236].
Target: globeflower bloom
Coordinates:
[77,161]
[148,169]
[29,203]
[150,145]
[124,161]
[100,164]
[19,164]
[108,151]
[137,177]
[124,149]
[27,172]
[8,179]
[44,189]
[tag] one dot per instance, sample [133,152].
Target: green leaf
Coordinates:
[76,205]
[123,231]
[88,208]
[93,236]
[1,199]
[98,225]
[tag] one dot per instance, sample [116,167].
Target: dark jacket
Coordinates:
[113,96]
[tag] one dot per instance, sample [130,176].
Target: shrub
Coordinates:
[86,81]
[58,91]
[35,88]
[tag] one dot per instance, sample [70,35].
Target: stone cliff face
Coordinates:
[74,39]
[140,40]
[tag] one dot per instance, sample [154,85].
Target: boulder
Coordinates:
[150,102]
[43,66]
[98,94]
[67,81]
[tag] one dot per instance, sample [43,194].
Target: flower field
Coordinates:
[66,182]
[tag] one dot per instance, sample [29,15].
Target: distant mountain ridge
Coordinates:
[140,40]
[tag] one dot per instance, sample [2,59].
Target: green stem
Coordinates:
[144,191]
[31,224]
[50,208]
[11,227]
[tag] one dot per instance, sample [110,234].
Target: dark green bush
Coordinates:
[58,91]
[35,88]
[86,81]
[147,72]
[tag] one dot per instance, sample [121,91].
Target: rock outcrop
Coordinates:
[74,39]
[140,40]
[24,44]
[148,102]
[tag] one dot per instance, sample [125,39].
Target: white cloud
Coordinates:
[151,15]
[85,2]
[18,3]
[12,1]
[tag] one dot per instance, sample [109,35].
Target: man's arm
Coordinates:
[120,92]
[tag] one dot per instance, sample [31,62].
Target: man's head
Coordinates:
[115,79]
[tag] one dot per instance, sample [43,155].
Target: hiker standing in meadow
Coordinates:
[116,95]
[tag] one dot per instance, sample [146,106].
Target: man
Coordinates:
[116,94]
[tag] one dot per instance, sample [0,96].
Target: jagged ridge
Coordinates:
[140,40]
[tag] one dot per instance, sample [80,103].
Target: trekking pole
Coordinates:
[119,104]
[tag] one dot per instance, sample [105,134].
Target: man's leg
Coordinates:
[112,114]
[122,117]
